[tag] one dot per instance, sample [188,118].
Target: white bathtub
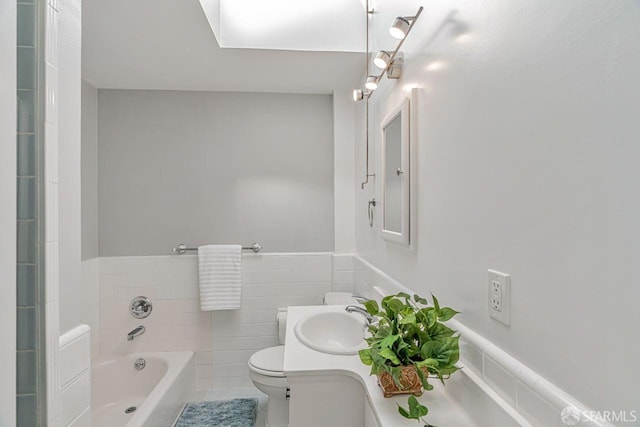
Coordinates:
[159,391]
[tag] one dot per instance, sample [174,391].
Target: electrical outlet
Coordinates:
[495,296]
[499,291]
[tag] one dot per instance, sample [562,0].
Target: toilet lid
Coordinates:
[270,360]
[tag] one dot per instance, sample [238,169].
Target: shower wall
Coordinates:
[8,211]
[75,307]
[30,227]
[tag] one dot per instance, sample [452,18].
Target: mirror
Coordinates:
[395,179]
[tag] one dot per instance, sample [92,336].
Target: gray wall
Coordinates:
[89,171]
[211,167]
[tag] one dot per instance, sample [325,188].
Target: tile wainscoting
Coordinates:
[539,401]
[224,340]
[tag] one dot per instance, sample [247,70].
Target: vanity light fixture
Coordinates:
[390,62]
[372,83]
[394,71]
[382,59]
[359,94]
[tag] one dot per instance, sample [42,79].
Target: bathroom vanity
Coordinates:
[337,390]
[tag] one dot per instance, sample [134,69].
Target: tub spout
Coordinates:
[135,333]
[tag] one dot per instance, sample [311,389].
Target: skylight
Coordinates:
[324,25]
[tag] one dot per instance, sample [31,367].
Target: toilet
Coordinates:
[266,373]
[266,368]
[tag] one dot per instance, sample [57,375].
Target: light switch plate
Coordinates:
[499,291]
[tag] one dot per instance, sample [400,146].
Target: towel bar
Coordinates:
[182,248]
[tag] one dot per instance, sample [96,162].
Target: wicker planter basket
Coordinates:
[409,380]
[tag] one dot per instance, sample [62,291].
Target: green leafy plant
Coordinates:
[415,412]
[409,332]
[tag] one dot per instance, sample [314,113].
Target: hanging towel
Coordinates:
[219,268]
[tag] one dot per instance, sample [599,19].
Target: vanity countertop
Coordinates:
[300,360]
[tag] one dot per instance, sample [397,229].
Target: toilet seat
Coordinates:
[268,362]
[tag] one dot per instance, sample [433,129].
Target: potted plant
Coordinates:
[408,345]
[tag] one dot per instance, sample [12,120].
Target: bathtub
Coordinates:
[158,392]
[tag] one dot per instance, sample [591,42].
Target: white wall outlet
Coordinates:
[499,295]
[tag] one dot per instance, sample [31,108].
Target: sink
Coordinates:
[332,332]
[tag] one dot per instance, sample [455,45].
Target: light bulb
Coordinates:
[382,59]
[372,83]
[399,28]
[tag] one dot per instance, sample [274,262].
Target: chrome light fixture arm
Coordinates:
[365,95]
[366,121]
[393,69]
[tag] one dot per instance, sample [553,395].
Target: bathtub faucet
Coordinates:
[135,333]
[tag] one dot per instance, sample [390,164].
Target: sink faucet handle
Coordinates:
[360,310]
[360,299]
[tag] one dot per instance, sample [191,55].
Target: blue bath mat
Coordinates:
[220,413]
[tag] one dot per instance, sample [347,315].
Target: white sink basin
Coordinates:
[332,332]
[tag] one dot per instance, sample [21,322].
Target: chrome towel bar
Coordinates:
[182,248]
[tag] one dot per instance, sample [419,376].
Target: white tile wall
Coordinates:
[83,420]
[537,400]
[365,277]
[503,382]
[51,216]
[75,354]
[176,322]
[535,408]
[269,281]
[75,376]
[343,274]
[223,340]
[75,399]
[90,279]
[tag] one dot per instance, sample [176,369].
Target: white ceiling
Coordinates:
[169,45]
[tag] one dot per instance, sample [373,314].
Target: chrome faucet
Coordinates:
[356,309]
[135,333]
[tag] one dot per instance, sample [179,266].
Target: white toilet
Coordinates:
[266,372]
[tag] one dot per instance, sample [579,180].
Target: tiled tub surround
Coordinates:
[222,340]
[536,399]
[75,377]
[30,284]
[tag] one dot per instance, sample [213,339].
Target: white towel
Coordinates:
[220,268]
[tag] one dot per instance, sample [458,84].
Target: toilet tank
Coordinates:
[338,298]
